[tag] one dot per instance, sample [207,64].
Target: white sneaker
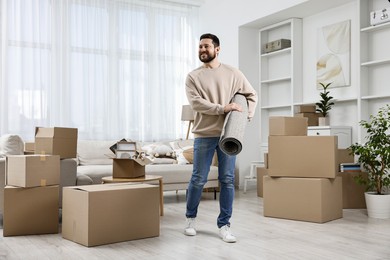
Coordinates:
[190,227]
[226,234]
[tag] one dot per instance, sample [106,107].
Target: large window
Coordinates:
[110,68]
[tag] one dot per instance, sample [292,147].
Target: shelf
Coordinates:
[375,63]
[339,100]
[376,27]
[274,53]
[275,107]
[375,97]
[275,80]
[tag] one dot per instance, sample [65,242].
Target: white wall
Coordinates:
[223,18]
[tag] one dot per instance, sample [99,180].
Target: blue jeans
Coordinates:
[204,149]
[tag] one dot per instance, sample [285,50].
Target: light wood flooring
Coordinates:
[355,236]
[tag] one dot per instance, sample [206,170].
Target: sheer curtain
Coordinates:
[110,68]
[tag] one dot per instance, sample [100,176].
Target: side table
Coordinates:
[145,178]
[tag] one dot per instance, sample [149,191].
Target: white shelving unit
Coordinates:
[284,75]
[374,61]
[279,72]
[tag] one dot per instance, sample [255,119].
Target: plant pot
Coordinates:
[323,121]
[378,206]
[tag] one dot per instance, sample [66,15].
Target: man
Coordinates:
[210,89]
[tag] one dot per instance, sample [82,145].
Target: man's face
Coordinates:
[207,51]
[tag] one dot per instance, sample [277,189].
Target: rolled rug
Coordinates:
[234,127]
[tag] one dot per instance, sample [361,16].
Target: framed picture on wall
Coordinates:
[334,54]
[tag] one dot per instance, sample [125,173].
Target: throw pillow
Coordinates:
[11,145]
[158,150]
[188,153]
[179,146]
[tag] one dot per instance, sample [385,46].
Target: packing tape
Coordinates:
[43,182]
[43,157]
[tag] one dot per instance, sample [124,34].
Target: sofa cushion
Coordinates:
[92,152]
[175,173]
[95,172]
[11,145]
[163,161]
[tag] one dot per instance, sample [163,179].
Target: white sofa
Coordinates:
[93,164]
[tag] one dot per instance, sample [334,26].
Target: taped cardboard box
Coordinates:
[287,126]
[33,170]
[30,211]
[306,199]
[88,219]
[56,141]
[302,156]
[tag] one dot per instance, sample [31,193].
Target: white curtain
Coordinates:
[110,68]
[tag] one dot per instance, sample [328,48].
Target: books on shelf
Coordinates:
[350,167]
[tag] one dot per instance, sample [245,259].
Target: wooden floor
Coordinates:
[355,236]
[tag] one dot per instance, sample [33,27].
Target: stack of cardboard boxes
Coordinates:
[302,182]
[309,112]
[31,195]
[300,179]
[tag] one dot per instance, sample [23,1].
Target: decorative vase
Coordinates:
[378,206]
[323,121]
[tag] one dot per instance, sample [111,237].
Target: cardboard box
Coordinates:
[261,172]
[266,160]
[302,156]
[33,170]
[344,156]
[29,147]
[287,126]
[312,118]
[129,168]
[57,141]
[30,211]
[307,199]
[353,193]
[306,109]
[108,213]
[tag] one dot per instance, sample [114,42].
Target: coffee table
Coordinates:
[145,178]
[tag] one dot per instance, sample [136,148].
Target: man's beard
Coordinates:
[208,57]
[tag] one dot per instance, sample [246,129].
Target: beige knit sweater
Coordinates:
[209,90]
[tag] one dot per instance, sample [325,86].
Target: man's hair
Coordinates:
[212,37]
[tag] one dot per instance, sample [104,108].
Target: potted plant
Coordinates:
[374,157]
[324,105]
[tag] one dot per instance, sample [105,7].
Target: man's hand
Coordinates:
[232,107]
